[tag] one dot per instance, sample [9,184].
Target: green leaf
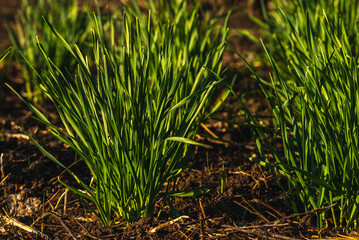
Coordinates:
[4,54]
[187,141]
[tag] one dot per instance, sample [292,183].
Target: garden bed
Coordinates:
[249,204]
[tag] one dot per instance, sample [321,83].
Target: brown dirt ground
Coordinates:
[251,205]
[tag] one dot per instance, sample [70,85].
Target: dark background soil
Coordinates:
[251,206]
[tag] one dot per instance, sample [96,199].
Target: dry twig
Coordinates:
[2,166]
[253,211]
[271,208]
[64,225]
[305,213]
[201,227]
[60,220]
[11,221]
[209,131]
[163,225]
[88,234]
[17,135]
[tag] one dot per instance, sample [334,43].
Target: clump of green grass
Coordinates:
[71,20]
[314,94]
[133,118]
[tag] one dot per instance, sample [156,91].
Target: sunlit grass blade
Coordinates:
[4,54]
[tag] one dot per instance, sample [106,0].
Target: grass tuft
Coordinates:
[131,111]
[313,50]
